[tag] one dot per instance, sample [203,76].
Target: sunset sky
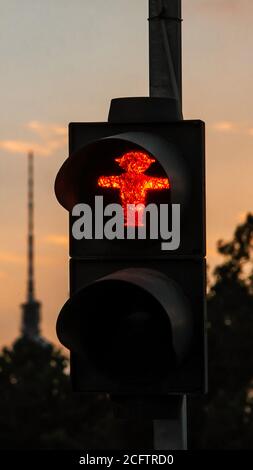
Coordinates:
[63,61]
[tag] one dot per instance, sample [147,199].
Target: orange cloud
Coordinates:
[54,239]
[13,258]
[52,138]
[46,130]
[233,127]
[225,126]
[23,146]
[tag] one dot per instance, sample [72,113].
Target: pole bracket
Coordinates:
[165,17]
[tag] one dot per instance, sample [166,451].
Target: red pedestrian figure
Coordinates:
[133,184]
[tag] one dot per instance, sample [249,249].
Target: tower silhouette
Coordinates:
[31,308]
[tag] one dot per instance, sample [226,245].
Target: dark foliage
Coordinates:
[38,409]
[223,420]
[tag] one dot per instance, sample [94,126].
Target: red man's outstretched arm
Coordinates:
[109,182]
[157,183]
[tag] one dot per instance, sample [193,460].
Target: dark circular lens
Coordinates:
[142,345]
[131,337]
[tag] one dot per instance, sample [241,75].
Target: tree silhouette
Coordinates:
[39,410]
[223,419]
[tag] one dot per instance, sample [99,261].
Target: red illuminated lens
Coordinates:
[133,184]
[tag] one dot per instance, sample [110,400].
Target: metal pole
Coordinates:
[165,78]
[165,62]
[171,434]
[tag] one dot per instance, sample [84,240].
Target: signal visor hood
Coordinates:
[75,179]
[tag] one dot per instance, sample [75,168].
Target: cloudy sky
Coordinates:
[63,61]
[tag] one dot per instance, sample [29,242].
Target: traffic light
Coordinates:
[135,319]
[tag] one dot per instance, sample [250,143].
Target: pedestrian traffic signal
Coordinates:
[135,319]
[133,184]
